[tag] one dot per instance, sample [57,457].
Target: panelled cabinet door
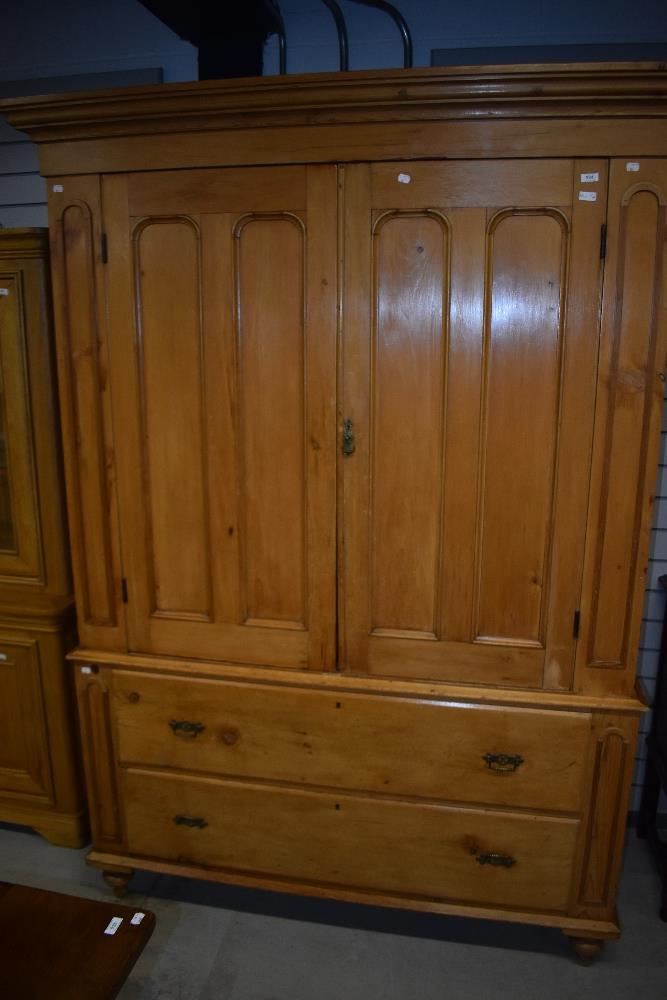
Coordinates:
[21,557]
[76,235]
[470,353]
[627,426]
[221,304]
[25,767]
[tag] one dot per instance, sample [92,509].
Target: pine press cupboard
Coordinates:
[361,380]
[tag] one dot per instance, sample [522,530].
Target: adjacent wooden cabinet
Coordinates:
[362,380]
[40,781]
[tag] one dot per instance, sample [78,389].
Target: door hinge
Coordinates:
[603,241]
[575,624]
[123,590]
[104,251]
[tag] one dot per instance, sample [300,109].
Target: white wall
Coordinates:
[78,36]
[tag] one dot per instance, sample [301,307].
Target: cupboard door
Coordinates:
[222,289]
[470,351]
[75,225]
[24,750]
[21,557]
[627,426]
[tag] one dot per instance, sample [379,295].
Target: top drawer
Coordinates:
[397,746]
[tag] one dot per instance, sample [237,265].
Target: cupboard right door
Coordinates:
[627,426]
[470,348]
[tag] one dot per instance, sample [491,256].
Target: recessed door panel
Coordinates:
[527,253]
[167,265]
[410,253]
[272,395]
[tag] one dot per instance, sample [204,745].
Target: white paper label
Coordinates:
[86,670]
[3,656]
[137,918]
[4,291]
[588,196]
[404,178]
[113,925]
[589,178]
[632,168]
[57,188]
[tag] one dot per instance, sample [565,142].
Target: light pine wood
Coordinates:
[235,482]
[571,926]
[78,296]
[418,849]
[584,137]
[627,429]
[580,359]
[99,759]
[444,288]
[410,478]
[520,405]
[40,780]
[363,684]
[388,746]
[611,766]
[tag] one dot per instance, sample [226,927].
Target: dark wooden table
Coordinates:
[54,946]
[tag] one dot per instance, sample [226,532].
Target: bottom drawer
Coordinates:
[414,849]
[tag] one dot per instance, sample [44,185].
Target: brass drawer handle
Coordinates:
[188,730]
[503,763]
[196,821]
[499,860]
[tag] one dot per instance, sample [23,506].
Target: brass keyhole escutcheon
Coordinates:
[349,443]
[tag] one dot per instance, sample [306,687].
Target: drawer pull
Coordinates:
[503,763]
[190,821]
[499,860]
[188,730]
[230,737]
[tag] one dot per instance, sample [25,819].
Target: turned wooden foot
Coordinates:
[586,949]
[118,880]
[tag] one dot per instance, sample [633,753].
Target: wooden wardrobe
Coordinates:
[362,379]
[41,784]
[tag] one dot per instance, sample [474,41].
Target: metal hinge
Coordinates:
[575,624]
[603,241]
[123,590]
[104,250]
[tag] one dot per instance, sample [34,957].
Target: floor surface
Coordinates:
[214,942]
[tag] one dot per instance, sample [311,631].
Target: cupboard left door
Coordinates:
[222,323]
[77,263]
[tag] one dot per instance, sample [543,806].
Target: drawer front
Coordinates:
[417,849]
[359,742]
